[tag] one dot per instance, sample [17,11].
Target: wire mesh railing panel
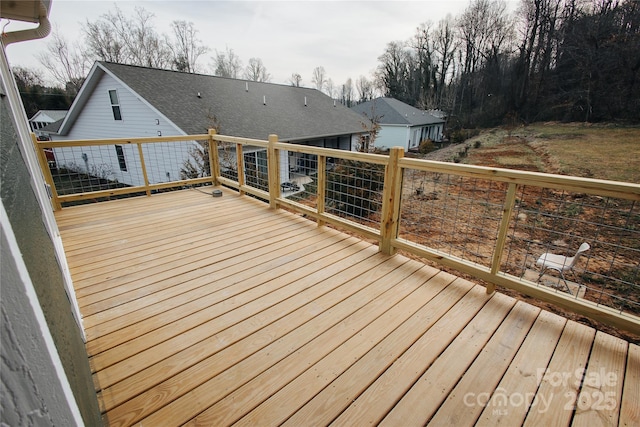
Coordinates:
[547,221]
[299,181]
[94,168]
[354,191]
[256,169]
[455,215]
[228,160]
[173,161]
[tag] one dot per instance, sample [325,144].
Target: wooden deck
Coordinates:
[213,311]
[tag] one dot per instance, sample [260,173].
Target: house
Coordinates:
[119,100]
[400,124]
[44,118]
[46,377]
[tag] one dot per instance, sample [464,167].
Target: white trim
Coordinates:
[5,225]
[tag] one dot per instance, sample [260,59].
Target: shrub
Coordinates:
[426,146]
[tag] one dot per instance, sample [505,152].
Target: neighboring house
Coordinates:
[401,125]
[119,100]
[44,133]
[45,117]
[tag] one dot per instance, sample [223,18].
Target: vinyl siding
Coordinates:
[96,121]
[392,136]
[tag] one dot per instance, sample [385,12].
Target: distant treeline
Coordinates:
[566,60]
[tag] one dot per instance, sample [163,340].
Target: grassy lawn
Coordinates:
[601,152]
[589,151]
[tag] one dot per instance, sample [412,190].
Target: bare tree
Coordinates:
[131,40]
[142,41]
[319,78]
[103,42]
[185,46]
[365,89]
[393,72]
[227,64]
[67,64]
[423,70]
[295,79]
[346,96]
[330,88]
[445,46]
[256,71]
[26,77]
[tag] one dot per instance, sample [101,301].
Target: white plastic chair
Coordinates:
[560,263]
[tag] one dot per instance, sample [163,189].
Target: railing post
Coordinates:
[273,162]
[391,196]
[214,165]
[240,163]
[44,165]
[502,233]
[321,191]
[144,169]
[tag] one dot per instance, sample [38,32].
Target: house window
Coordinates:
[115,105]
[121,160]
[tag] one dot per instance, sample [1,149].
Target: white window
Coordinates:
[121,159]
[115,105]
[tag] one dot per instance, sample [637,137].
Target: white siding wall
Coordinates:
[96,121]
[392,136]
[402,136]
[138,119]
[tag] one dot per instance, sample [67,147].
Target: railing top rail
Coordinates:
[623,190]
[332,152]
[239,140]
[121,141]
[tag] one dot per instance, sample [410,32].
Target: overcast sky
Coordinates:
[345,37]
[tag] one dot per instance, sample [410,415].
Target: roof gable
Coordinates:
[49,115]
[391,111]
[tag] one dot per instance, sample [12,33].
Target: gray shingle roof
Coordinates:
[238,105]
[52,127]
[390,111]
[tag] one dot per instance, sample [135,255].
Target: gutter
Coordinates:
[41,31]
[332,135]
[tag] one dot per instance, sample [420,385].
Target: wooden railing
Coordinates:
[147,188]
[396,166]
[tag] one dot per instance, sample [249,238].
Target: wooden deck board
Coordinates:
[214,311]
[630,406]
[523,377]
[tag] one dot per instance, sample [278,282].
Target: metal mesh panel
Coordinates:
[86,169]
[354,191]
[300,181]
[558,222]
[452,214]
[256,169]
[173,161]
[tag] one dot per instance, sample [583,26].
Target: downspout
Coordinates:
[41,31]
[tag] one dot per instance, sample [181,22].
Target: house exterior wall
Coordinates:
[138,119]
[392,136]
[407,137]
[46,378]
[163,161]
